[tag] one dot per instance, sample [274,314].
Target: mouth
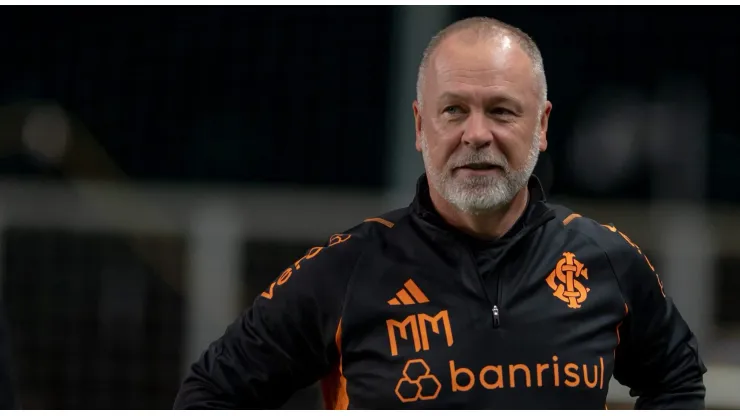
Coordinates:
[479,167]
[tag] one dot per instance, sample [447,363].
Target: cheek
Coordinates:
[441,149]
[447,138]
[516,145]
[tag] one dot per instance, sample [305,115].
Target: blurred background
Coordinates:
[160,166]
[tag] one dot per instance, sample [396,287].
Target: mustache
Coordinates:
[480,158]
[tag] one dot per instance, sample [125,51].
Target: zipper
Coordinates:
[496,315]
[495,309]
[499,297]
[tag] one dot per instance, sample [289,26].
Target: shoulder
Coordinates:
[357,238]
[341,251]
[626,259]
[389,221]
[379,229]
[601,233]
[324,270]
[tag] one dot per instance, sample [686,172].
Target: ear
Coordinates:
[417,123]
[544,120]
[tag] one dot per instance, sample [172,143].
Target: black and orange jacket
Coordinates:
[402,311]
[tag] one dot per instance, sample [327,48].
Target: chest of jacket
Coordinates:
[441,326]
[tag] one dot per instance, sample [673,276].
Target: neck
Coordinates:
[484,225]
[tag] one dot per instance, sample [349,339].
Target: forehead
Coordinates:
[466,62]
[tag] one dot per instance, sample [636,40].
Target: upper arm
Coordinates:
[285,341]
[658,354]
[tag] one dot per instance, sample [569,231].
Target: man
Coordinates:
[480,294]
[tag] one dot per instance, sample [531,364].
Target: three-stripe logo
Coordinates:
[410,294]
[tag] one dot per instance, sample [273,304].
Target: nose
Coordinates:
[477,134]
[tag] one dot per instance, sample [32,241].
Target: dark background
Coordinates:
[295,94]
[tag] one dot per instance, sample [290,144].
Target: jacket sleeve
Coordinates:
[657,357]
[284,342]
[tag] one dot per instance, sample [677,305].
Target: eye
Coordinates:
[452,109]
[501,111]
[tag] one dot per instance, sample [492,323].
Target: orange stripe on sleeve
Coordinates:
[334,386]
[619,325]
[381,221]
[570,218]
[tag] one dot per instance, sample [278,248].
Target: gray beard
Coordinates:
[480,194]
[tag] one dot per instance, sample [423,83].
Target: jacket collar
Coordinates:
[424,209]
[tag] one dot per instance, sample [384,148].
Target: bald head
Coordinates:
[477,29]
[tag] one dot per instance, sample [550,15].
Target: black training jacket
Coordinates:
[402,311]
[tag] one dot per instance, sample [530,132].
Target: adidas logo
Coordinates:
[410,294]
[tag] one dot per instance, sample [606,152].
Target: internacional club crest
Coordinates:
[563,281]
